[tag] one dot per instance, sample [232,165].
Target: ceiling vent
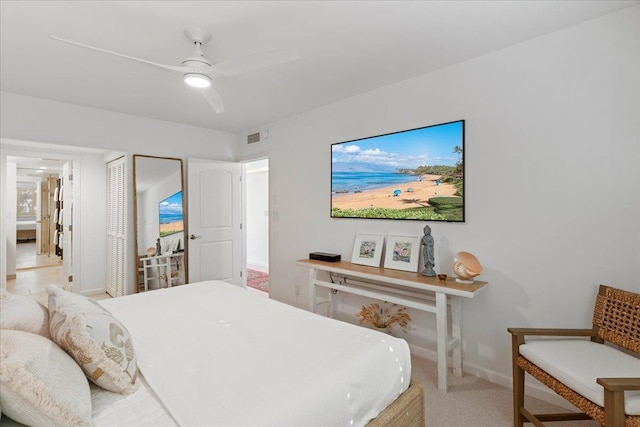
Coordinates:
[253,138]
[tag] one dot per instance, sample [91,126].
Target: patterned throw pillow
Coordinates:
[23,313]
[95,339]
[40,385]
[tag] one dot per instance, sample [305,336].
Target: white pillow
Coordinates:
[40,384]
[95,339]
[23,313]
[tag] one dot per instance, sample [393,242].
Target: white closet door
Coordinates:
[116,226]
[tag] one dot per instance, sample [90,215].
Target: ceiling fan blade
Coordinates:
[252,62]
[213,98]
[167,67]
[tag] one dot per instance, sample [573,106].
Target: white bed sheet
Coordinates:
[217,355]
[26,225]
[139,409]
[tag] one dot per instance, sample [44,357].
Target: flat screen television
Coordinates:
[170,214]
[415,174]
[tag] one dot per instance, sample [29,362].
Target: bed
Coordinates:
[25,229]
[213,354]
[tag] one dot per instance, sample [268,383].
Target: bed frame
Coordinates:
[406,411]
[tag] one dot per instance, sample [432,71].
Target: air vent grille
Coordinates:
[253,138]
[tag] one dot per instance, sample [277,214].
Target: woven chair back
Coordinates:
[617,317]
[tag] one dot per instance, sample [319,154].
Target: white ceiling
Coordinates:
[346,47]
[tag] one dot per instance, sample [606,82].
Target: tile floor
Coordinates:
[35,272]
[26,257]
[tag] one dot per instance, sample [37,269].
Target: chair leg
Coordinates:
[518,396]
[518,382]
[614,408]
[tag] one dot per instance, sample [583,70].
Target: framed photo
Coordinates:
[403,252]
[367,249]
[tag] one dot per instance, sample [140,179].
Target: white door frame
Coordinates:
[27,149]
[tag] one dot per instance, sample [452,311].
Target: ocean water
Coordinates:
[168,218]
[351,181]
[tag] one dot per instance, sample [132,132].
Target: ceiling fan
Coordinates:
[198,71]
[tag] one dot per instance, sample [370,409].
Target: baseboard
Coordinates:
[94,291]
[538,391]
[259,266]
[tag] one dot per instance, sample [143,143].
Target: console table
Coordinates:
[409,289]
[168,267]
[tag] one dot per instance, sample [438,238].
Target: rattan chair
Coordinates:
[616,320]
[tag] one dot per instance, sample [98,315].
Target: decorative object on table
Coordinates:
[367,249]
[324,256]
[158,247]
[151,251]
[403,252]
[173,245]
[384,317]
[442,276]
[466,267]
[428,253]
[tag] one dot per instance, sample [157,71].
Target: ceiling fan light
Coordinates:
[197,80]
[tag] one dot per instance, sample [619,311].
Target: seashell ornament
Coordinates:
[466,266]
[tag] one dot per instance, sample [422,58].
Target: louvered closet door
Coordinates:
[116,227]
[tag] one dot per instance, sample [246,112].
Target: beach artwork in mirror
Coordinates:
[159,217]
[170,215]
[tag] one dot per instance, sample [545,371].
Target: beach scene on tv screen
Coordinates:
[416,174]
[171,217]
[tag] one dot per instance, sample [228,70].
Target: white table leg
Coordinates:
[441,339]
[456,322]
[313,274]
[332,311]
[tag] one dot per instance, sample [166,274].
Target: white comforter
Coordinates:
[217,355]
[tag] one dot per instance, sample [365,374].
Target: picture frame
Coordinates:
[26,202]
[367,249]
[403,252]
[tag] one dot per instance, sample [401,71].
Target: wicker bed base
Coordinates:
[406,411]
[588,407]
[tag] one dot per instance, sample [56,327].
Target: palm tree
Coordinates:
[458,150]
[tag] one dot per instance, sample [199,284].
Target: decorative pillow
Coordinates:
[23,313]
[40,384]
[95,339]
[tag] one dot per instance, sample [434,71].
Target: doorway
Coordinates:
[38,253]
[256,197]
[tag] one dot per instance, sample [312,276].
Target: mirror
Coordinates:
[159,222]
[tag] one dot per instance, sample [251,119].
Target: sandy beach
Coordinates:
[384,198]
[172,227]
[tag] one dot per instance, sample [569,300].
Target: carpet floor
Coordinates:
[472,401]
[258,280]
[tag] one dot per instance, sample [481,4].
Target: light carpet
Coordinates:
[472,401]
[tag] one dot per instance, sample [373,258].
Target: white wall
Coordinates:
[552,181]
[27,119]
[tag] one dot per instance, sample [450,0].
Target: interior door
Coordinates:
[214,221]
[66,213]
[38,211]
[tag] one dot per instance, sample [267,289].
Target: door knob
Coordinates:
[193,237]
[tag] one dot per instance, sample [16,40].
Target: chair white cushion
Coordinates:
[23,313]
[40,384]
[95,339]
[577,363]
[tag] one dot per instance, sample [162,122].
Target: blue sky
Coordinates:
[172,204]
[426,146]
